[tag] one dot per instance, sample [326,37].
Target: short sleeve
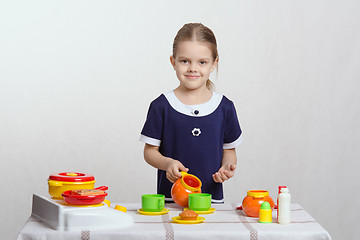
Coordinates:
[153,127]
[232,134]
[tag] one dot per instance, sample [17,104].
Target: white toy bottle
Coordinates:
[284,206]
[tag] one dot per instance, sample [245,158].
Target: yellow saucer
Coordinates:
[211,210]
[178,220]
[165,210]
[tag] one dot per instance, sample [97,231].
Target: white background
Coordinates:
[77,77]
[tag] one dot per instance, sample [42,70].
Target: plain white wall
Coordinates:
[77,77]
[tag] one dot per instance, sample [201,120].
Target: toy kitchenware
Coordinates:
[107,202]
[121,208]
[200,201]
[152,202]
[62,217]
[284,206]
[61,182]
[84,200]
[179,220]
[265,213]
[184,186]
[164,211]
[252,202]
[277,201]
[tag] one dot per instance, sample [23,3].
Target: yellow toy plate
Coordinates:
[179,220]
[164,211]
[211,210]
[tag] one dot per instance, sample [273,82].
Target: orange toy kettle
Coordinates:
[184,186]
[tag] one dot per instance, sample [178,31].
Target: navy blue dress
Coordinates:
[195,135]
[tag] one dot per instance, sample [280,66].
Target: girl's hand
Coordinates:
[225,172]
[173,170]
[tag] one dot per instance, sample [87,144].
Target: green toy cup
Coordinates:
[200,201]
[152,202]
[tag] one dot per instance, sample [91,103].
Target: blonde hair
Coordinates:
[197,32]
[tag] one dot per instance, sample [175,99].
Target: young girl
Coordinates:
[192,128]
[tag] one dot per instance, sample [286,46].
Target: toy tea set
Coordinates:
[76,205]
[186,192]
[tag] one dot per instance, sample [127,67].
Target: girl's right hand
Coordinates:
[173,170]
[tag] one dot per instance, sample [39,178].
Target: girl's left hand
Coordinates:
[225,172]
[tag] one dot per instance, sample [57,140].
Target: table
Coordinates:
[225,223]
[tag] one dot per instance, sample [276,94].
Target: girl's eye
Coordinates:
[184,61]
[203,62]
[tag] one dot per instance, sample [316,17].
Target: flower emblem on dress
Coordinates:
[196,132]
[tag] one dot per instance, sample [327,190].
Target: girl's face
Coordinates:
[193,64]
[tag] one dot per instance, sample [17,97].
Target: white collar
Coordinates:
[199,110]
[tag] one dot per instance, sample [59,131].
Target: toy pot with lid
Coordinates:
[252,202]
[184,186]
[64,181]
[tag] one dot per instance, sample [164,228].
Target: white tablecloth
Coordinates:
[225,223]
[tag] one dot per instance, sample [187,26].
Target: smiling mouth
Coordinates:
[192,76]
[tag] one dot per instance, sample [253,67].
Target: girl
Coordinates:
[192,128]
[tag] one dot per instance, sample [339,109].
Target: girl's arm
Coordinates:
[228,166]
[156,159]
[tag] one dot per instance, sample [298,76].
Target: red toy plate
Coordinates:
[84,200]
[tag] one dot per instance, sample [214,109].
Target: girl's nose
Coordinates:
[192,67]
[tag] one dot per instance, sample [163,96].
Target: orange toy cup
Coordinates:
[252,202]
[184,186]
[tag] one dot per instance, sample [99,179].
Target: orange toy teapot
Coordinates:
[252,202]
[184,186]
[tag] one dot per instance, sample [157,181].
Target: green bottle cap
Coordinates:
[265,205]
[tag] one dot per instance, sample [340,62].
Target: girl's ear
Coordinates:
[172,61]
[215,64]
